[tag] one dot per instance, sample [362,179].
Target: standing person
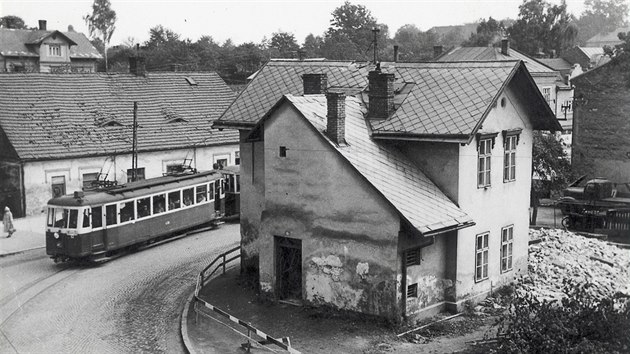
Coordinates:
[8,222]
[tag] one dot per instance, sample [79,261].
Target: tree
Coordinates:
[11,21]
[601,16]
[414,44]
[488,33]
[540,27]
[550,166]
[102,21]
[313,45]
[283,44]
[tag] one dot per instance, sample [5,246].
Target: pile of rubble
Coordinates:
[562,255]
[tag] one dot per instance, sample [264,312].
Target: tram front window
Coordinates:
[72,221]
[63,218]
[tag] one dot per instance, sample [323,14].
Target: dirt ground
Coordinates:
[324,331]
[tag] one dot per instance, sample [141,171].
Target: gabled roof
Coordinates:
[436,100]
[558,64]
[493,54]
[608,38]
[416,198]
[52,116]
[16,42]
[592,52]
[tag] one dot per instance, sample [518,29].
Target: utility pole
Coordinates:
[134,148]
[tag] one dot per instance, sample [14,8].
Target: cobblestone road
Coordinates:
[128,305]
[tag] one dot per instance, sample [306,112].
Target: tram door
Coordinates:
[288,267]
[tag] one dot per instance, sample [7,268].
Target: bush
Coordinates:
[580,323]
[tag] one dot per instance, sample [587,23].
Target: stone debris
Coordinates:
[563,255]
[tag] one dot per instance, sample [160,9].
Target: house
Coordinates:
[46,51]
[395,190]
[58,132]
[607,39]
[601,124]
[557,92]
[587,57]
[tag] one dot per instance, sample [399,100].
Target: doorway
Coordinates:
[288,268]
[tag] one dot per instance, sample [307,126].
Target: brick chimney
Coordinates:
[437,50]
[336,117]
[395,54]
[315,84]
[137,66]
[505,46]
[42,25]
[301,53]
[380,94]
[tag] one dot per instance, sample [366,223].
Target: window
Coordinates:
[74,219]
[507,241]
[159,203]
[89,179]
[97,217]
[139,174]
[509,158]
[54,50]
[483,167]
[412,257]
[171,169]
[211,191]
[189,196]
[86,218]
[546,91]
[283,151]
[144,207]
[57,217]
[201,193]
[127,211]
[110,215]
[58,186]
[237,158]
[174,199]
[412,290]
[481,257]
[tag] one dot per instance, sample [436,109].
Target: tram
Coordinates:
[97,224]
[232,177]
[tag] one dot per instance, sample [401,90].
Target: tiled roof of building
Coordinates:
[494,54]
[606,38]
[557,63]
[49,116]
[592,52]
[13,42]
[401,182]
[443,98]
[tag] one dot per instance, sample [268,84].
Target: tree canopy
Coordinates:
[601,16]
[102,22]
[11,21]
[488,33]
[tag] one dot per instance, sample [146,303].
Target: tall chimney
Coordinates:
[380,94]
[395,54]
[437,50]
[42,25]
[336,117]
[505,46]
[301,53]
[137,66]
[315,84]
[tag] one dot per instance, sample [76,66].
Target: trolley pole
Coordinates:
[134,148]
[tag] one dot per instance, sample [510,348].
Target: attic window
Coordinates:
[171,116]
[54,50]
[191,81]
[110,123]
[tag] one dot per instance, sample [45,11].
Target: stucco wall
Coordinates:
[500,205]
[601,126]
[38,174]
[348,232]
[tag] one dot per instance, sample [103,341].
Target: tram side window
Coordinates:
[97,217]
[202,193]
[211,191]
[126,211]
[174,199]
[110,214]
[159,203]
[74,216]
[189,198]
[144,205]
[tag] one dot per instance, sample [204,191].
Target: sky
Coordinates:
[253,20]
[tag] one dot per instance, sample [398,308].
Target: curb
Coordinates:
[21,251]
[184,325]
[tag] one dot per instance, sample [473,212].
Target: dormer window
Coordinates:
[54,50]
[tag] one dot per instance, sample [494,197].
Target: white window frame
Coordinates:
[509,158]
[54,50]
[481,256]
[507,245]
[484,158]
[546,92]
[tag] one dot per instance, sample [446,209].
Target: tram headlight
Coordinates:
[56,235]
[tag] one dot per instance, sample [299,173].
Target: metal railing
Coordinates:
[221,263]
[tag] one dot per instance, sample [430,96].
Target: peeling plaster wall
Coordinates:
[500,205]
[349,233]
[38,174]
